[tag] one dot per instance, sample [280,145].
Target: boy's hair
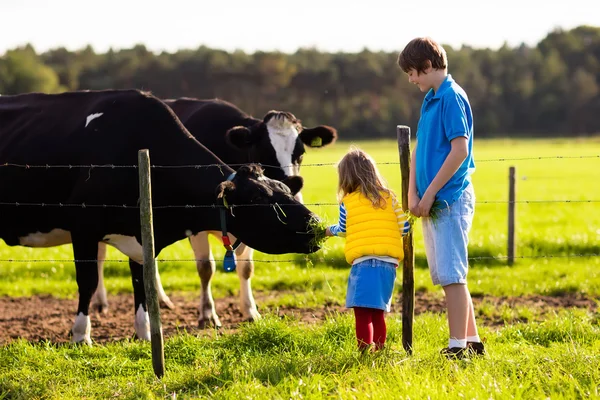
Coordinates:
[420,50]
[357,171]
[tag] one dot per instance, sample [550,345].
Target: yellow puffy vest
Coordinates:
[371,231]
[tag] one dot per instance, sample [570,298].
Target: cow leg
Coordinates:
[141,319]
[100,299]
[86,273]
[205,265]
[163,300]
[245,270]
[130,246]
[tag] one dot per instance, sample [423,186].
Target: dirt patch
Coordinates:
[45,318]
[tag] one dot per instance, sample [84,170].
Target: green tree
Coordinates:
[22,71]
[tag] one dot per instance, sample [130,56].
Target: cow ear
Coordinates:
[295,183]
[239,137]
[224,188]
[320,136]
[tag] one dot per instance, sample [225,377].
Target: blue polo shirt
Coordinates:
[445,115]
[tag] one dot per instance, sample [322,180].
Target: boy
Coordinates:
[440,178]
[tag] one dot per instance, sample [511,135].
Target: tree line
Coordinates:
[551,89]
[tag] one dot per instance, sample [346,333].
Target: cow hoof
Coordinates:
[252,317]
[86,340]
[82,329]
[144,336]
[166,303]
[209,323]
[100,308]
[99,301]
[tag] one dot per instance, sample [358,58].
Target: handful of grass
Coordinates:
[434,212]
[317,227]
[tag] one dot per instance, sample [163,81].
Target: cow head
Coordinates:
[278,142]
[263,213]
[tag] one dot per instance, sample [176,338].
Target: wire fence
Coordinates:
[311,259]
[199,166]
[296,260]
[230,206]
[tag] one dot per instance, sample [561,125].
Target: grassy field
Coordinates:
[558,234]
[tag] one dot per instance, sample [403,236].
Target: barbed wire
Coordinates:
[198,166]
[307,259]
[215,206]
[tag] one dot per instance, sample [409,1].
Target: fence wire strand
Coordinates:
[307,259]
[232,206]
[199,166]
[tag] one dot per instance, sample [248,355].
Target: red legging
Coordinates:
[370,324]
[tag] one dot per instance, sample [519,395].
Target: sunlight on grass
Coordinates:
[276,358]
[533,353]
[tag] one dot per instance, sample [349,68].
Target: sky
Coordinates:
[284,25]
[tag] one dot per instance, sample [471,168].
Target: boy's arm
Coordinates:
[340,228]
[457,129]
[458,154]
[403,222]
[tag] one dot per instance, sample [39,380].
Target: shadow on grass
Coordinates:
[477,256]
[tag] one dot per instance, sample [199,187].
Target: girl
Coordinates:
[373,223]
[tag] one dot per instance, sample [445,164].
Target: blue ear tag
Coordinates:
[229,261]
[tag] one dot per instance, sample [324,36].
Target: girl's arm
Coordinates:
[403,223]
[340,228]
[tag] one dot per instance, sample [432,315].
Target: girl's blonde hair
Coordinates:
[357,171]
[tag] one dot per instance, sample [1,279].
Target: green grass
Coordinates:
[550,356]
[543,230]
[274,358]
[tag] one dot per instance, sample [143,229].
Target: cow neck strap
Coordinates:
[226,241]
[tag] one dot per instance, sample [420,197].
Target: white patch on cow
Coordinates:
[92,117]
[55,237]
[82,329]
[127,245]
[160,291]
[142,324]
[298,197]
[283,135]
[245,270]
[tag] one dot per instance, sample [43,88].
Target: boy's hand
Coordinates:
[425,205]
[328,232]
[413,205]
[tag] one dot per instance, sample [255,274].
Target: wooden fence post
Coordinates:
[408,279]
[512,194]
[150,285]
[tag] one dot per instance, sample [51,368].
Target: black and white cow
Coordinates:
[108,128]
[277,142]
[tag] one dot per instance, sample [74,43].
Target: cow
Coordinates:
[277,142]
[64,179]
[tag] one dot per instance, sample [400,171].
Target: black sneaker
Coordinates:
[454,353]
[476,348]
